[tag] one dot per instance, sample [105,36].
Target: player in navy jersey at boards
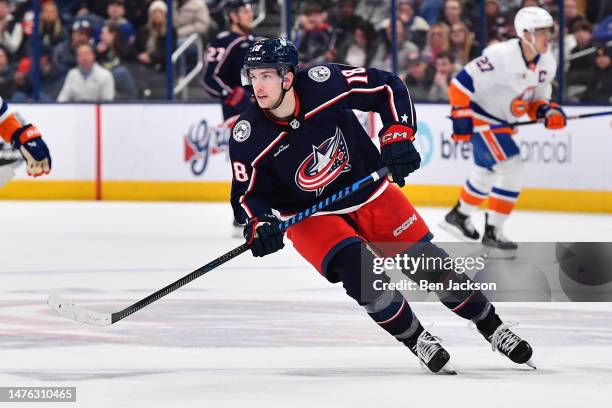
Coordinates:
[224,58]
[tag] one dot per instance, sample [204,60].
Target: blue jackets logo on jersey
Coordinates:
[326,162]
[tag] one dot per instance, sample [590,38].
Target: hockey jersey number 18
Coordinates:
[322,147]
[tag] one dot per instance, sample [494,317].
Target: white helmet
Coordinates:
[530,19]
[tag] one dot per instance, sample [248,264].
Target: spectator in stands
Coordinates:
[88,82]
[11,31]
[499,27]
[445,71]
[453,12]
[316,38]
[112,48]
[97,7]
[374,11]
[52,31]
[463,43]
[190,16]
[346,21]
[579,68]
[50,78]
[94,13]
[415,27]
[150,43]
[438,40]
[360,50]
[599,87]
[382,56]
[7,75]
[67,9]
[116,16]
[137,12]
[64,54]
[419,78]
[112,51]
[429,10]
[571,13]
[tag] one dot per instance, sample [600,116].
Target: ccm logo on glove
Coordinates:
[396,133]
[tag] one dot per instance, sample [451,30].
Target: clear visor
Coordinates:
[244,77]
[265,75]
[545,31]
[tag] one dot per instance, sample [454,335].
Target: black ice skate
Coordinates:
[493,237]
[459,225]
[431,354]
[505,341]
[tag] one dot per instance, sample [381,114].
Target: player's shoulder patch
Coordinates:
[241,131]
[319,73]
[223,34]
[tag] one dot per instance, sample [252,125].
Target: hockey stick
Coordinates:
[484,128]
[68,309]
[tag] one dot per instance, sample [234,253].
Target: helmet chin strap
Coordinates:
[281,98]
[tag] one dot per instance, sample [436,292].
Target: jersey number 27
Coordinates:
[214,54]
[484,64]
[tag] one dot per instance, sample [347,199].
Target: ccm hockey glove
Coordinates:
[34,150]
[553,115]
[397,151]
[263,235]
[463,126]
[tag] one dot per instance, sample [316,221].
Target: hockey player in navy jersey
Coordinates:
[224,58]
[301,140]
[223,61]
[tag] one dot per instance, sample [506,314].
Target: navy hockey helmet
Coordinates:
[271,53]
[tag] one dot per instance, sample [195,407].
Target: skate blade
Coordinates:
[455,232]
[489,252]
[448,369]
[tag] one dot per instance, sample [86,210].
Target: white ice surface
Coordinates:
[260,332]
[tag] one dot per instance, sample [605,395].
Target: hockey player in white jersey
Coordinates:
[28,140]
[510,81]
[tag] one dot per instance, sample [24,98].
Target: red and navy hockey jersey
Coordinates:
[223,62]
[288,166]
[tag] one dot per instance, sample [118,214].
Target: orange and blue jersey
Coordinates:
[9,123]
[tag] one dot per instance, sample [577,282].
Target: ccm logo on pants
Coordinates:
[405,225]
